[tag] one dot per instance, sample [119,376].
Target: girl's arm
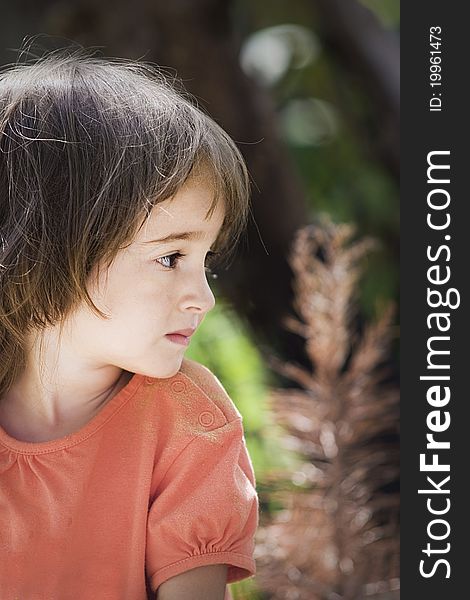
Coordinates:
[201,583]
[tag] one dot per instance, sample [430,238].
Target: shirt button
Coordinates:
[206,419]
[178,386]
[149,380]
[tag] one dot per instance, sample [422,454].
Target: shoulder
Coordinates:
[194,395]
[190,406]
[204,380]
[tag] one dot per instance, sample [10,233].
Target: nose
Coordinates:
[198,296]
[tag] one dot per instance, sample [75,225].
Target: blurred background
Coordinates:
[304,336]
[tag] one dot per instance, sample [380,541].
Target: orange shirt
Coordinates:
[157,483]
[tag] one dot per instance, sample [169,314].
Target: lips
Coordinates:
[186,332]
[180,337]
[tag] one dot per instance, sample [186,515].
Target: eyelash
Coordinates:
[178,255]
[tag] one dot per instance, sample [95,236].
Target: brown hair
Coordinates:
[88,146]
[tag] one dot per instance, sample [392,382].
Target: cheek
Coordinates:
[139,296]
[143,310]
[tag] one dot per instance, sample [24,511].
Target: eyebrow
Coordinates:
[183,235]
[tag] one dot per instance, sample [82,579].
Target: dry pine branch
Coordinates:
[338,536]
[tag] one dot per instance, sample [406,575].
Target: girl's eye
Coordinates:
[171,260]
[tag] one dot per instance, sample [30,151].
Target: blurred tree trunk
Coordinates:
[195,39]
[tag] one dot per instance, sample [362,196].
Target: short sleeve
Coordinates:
[205,510]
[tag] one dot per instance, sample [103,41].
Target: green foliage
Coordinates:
[350,189]
[242,590]
[388,11]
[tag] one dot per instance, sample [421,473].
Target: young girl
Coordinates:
[124,473]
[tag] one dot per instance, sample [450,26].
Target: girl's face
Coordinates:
[150,290]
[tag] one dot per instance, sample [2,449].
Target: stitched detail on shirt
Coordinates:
[223,553]
[226,406]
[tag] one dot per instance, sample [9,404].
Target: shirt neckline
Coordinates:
[81,434]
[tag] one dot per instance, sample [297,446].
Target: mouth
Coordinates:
[177,338]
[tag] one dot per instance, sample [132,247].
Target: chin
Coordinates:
[170,372]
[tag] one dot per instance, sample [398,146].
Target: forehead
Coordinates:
[184,212]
